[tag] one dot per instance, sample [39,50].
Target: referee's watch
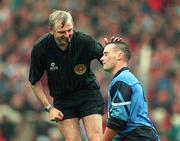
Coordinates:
[48,108]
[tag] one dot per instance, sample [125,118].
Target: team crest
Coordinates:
[80,69]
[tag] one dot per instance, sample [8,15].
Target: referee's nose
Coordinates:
[66,34]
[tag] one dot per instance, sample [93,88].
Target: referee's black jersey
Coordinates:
[67,71]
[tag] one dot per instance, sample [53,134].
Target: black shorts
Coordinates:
[142,133]
[80,104]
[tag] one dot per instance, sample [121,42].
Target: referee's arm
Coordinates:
[38,91]
[54,114]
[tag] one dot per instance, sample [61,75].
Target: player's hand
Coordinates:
[112,40]
[55,115]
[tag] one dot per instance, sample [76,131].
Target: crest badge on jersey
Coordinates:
[80,69]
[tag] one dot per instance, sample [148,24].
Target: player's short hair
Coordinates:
[124,47]
[59,16]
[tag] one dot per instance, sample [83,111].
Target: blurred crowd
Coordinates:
[151,28]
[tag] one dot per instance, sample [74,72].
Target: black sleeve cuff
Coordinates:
[115,124]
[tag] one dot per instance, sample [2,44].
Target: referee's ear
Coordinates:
[50,30]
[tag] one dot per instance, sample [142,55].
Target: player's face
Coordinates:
[109,58]
[63,35]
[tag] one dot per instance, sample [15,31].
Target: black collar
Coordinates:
[121,70]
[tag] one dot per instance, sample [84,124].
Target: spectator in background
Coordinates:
[65,54]
[127,107]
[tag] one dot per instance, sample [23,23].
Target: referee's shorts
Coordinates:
[80,104]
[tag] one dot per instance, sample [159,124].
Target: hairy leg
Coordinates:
[93,127]
[70,129]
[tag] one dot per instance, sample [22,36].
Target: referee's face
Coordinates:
[63,35]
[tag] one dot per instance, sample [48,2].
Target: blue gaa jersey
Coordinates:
[127,106]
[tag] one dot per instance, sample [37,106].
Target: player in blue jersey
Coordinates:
[127,107]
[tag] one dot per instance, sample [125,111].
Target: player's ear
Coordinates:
[50,30]
[119,57]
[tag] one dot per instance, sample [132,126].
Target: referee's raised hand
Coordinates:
[113,40]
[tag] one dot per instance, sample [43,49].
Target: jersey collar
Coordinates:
[121,70]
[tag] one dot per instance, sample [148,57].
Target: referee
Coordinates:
[65,55]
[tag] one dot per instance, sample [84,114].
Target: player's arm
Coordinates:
[113,125]
[109,134]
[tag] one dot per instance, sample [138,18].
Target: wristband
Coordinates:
[48,108]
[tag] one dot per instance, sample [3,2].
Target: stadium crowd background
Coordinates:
[151,27]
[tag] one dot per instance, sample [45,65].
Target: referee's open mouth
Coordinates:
[64,42]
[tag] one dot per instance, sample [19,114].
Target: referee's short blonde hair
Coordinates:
[59,16]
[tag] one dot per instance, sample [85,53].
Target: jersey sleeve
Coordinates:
[94,48]
[37,67]
[138,104]
[119,104]
[115,124]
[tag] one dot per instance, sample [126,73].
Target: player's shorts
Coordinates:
[142,133]
[80,104]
